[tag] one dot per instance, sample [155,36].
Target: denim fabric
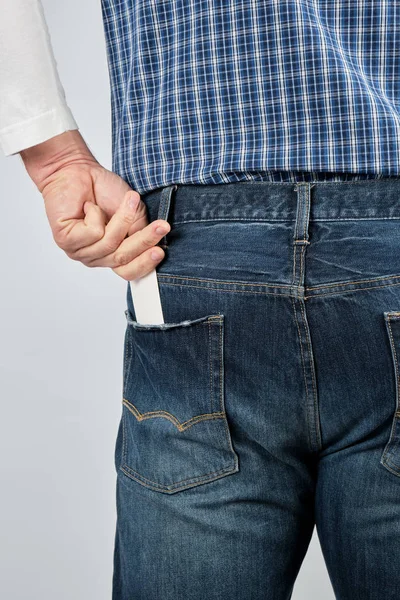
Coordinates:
[268,401]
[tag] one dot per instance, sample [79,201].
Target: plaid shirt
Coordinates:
[215,91]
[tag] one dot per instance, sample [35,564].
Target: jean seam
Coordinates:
[392,443]
[194,480]
[289,287]
[303,367]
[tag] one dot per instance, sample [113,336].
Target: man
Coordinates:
[265,137]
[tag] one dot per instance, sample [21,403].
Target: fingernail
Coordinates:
[161,230]
[133,201]
[155,255]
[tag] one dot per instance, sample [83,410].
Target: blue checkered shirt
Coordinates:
[216,91]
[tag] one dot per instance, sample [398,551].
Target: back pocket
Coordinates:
[391,453]
[175,429]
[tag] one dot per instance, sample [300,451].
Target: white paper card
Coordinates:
[146,299]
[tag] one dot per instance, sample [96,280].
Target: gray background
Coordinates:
[61,337]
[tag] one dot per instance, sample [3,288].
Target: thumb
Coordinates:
[134,202]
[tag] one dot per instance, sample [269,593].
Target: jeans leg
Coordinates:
[353,304]
[358,498]
[216,464]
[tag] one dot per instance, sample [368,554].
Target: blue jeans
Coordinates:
[268,401]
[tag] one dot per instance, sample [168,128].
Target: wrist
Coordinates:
[45,159]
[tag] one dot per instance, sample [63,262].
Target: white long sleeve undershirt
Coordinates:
[33,105]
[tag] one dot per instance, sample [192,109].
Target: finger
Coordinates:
[115,230]
[141,265]
[134,245]
[77,234]
[95,220]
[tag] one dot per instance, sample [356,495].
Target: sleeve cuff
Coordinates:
[25,134]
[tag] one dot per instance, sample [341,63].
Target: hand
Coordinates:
[95,217]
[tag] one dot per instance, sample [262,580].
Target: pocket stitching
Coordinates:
[222,406]
[167,415]
[391,443]
[127,356]
[201,478]
[165,326]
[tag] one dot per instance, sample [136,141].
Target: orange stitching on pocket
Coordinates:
[162,413]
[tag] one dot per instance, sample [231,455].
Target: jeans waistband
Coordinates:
[267,200]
